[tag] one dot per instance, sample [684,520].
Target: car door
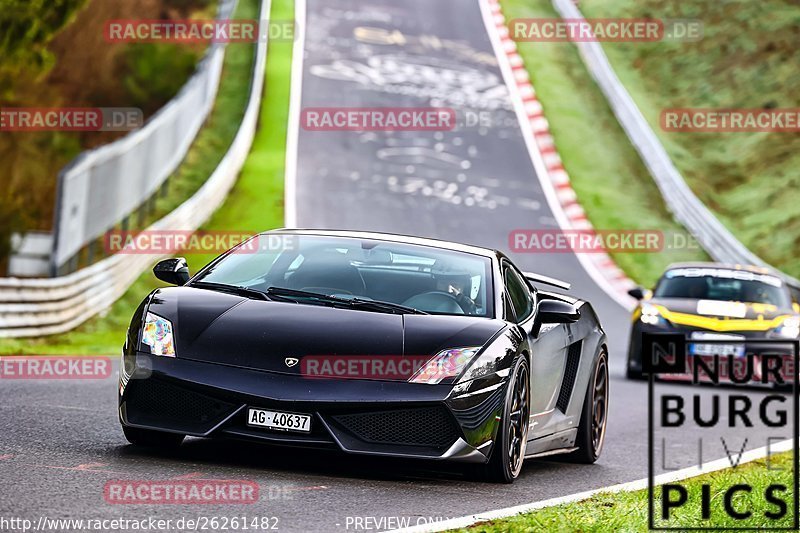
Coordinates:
[548,350]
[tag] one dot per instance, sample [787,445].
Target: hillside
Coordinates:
[66,62]
[748,58]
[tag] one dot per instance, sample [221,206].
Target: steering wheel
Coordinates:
[466,304]
[436,302]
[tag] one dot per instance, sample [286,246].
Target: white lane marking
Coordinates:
[67,407]
[501,52]
[639,484]
[295,103]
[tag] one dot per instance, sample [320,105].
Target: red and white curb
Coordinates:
[545,144]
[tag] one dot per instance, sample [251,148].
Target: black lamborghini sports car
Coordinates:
[369,344]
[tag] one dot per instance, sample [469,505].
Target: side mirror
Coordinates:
[554,312]
[173,271]
[637,292]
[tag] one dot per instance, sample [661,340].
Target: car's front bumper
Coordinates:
[355,416]
[750,341]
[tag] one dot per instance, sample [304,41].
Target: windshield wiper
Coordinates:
[380,305]
[232,289]
[294,295]
[359,303]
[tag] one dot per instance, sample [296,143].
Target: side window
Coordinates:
[795,293]
[519,293]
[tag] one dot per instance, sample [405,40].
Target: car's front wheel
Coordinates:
[592,427]
[633,366]
[508,451]
[633,372]
[152,439]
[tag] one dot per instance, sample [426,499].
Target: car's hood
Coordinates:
[720,315]
[279,336]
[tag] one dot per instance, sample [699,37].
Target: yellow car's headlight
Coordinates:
[790,329]
[651,315]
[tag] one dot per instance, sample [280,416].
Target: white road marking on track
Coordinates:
[639,484]
[67,407]
[295,103]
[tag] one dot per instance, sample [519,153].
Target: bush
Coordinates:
[156,72]
[26,27]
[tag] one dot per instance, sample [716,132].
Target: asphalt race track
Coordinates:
[60,441]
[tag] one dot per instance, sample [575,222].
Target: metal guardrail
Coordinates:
[688,210]
[104,186]
[36,307]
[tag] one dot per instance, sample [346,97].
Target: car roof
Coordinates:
[724,266]
[391,237]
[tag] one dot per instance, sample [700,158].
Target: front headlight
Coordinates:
[651,315]
[157,333]
[445,364]
[790,328]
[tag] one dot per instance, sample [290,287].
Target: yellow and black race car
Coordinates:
[713,301]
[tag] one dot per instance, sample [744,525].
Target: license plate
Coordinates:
[717,349]
[723,350]
[279,420]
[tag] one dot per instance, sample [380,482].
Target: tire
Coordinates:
[594,417]
[632,374]
[152,439]
[508,451]
[635,371]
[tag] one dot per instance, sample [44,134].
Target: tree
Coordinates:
[26,28]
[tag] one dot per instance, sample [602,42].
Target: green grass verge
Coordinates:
[611,182]
[747,58]
[627,511]
[255,203]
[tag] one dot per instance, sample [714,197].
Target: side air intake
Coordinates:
[570,373]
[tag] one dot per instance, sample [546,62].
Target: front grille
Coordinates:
[429,426]
[154,399]
[570,373]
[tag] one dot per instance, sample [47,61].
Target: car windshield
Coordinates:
[424,278]
[723,284]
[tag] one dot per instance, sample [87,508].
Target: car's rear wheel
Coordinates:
[594,418]
[508,451]
[152,439]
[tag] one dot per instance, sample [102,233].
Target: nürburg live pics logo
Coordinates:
[726,404]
